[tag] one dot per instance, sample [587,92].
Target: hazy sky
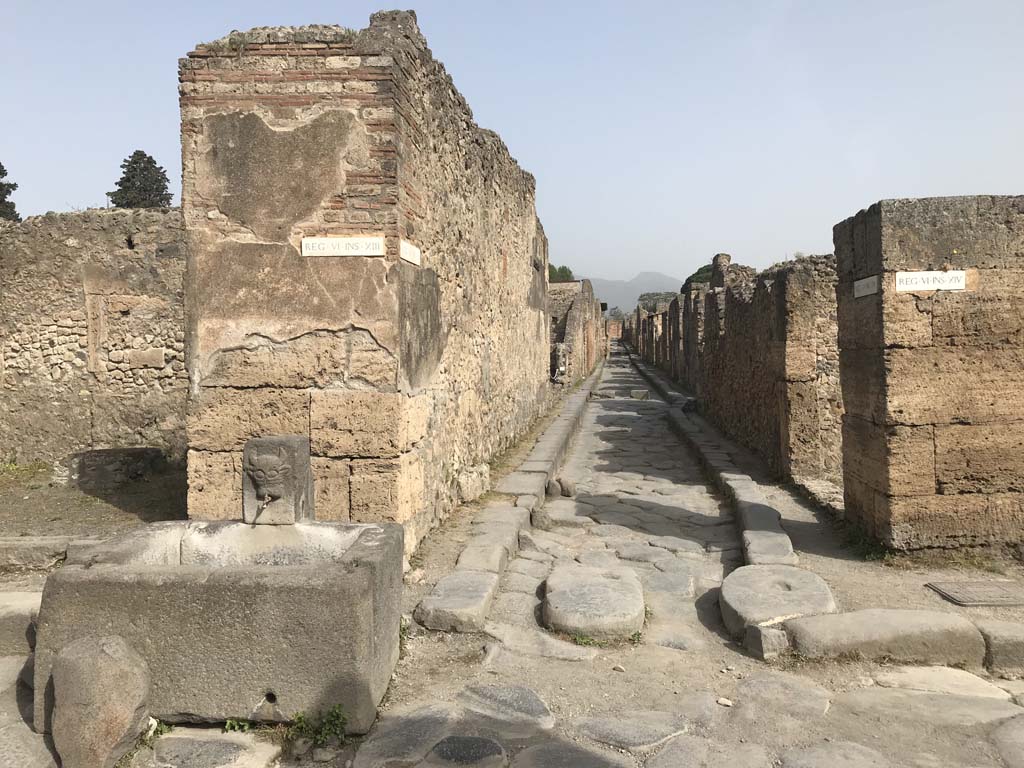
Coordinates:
[660,132]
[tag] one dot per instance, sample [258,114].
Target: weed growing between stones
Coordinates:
[146,740]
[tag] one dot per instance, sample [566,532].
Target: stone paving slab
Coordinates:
[935,709]
[1004,645]
[630,730]
[695,752]
[929,637]
[18,613]
[939,680]
[459,602]
[836,754]
[534,642]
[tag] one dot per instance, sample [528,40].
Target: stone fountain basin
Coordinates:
[237,621]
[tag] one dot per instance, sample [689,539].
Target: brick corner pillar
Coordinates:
[304,285]
[931,336]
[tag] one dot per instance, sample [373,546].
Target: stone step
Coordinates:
[18,612]
[929,637]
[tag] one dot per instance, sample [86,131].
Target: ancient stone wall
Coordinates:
[578,336]
[92,334]
[933,380]
[413,361]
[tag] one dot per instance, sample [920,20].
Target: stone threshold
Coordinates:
[460,601]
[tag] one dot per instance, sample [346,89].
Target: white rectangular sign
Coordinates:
[865,286]
[953,280]
[346,245]
[409,252]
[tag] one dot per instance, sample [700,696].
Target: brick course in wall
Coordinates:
[933,435]
[92,334]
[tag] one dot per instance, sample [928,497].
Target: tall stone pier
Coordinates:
[365,266]
[931,336]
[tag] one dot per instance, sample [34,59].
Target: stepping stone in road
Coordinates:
[603,604]
[764,595]
[695,752]
[836,754]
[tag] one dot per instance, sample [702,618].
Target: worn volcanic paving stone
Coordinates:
[694,752]
[403,736]
[937,709]
[561,754]
[605,604]
[533,642]
[510,705]
[459,602]
[836,754]
[474,751]
[1009,741]
[633,731]
[763,595]
[777,693]
[939,680]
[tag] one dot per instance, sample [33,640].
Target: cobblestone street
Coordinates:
[679,691]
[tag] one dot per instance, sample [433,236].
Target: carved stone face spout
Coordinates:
[277,481]
[269,474]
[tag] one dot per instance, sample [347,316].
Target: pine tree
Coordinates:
[143,184]
[7,210]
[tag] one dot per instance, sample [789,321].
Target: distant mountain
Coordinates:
[624,293]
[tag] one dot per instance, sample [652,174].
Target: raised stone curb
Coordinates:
[460,601]
[929,637]
[765,542]
[1004,645]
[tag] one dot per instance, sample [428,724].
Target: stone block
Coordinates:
[459,602]
[767,595]
[943,385]
[277,481]
[766,643]
[215,485]
[338,626]
[599,603]
[386,489]
[353,423]
[768,548]
[1004,645]
[18,612]
[503,514]
[483,557]
[100,692]
[979,458]
[523,484]
[331,480]
[32,551]
[952,520]
[154,357]
[925,637]
[222,419]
